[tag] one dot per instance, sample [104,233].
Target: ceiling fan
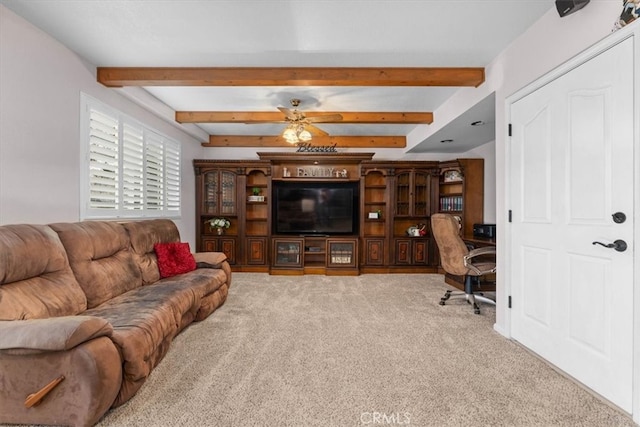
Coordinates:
[300,128]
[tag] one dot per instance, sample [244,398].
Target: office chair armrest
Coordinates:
[480,267]
[486,250]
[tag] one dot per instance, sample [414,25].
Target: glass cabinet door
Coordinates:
[210,199]
[219,193]
[403,193]
[412,194]
[288,252]
[421,194]
[228,193]
[341,253]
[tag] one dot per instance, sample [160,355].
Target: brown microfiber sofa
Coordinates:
[85,301]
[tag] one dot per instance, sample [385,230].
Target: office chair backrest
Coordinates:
[446,230]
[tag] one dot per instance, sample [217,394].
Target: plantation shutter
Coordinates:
[172,174]
[103,161]
[154,172]
[132,168]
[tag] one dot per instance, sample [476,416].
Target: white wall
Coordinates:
[40,85]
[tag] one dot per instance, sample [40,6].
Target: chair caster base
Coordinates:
[471,299]
[446,296]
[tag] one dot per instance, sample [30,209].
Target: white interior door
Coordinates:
[571,170]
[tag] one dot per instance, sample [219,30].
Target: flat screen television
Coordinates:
[325,208]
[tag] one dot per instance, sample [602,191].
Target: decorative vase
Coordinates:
[220,231]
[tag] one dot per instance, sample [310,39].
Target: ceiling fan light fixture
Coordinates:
[290,135]
[295,133]
[304,136]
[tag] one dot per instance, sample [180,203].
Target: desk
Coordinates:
[488,282]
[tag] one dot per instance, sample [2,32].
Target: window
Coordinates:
[128,169]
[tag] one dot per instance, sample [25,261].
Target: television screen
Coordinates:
[315,208]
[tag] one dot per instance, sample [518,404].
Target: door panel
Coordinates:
[589,147]
[572,168]
[536,280]
[590,324]
[535,166]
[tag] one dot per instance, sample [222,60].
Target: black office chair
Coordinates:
[456,258]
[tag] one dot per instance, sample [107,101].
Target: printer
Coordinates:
[487,231]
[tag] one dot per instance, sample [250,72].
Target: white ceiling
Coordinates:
[297,33]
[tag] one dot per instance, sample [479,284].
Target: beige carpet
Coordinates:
[353,351]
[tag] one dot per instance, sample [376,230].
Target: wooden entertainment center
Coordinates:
[394,197]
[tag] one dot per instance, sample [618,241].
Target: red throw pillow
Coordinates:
[174,258]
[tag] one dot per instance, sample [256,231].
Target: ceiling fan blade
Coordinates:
[326,118]
[315,131]
[287,112]
[290,114]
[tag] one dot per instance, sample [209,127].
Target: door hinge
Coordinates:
[510,130]
[510,215]
[509,301]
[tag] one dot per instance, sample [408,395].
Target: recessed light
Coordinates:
[477,123]
[446,141]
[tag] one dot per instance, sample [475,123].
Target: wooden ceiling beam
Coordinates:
[250,117]
[290,76]
[278,141]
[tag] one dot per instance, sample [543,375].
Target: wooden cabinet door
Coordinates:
[412,251]
[403,251]
[420,251]
[227,246]
[209,245]
[256,250]
[374,251]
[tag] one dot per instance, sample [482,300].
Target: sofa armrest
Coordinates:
[92,374]
[214,259]
[51,334]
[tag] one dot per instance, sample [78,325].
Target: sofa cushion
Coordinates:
[35,278]
[100,258]
[174,258]
[144,235]
[144,321]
